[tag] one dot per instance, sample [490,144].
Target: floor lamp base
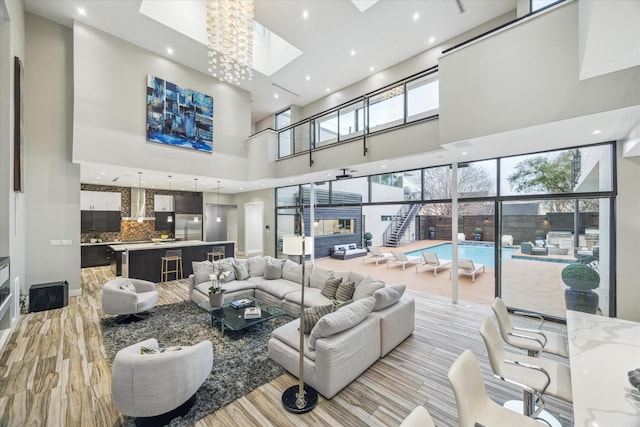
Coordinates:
[289,398]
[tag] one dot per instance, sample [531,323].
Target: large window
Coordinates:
[351,120]
[283,119]
[386,109]
[326,129]
[423,97]
[323,227]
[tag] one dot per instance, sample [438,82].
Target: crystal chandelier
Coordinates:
[230,34]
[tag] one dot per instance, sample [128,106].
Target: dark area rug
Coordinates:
[240,361]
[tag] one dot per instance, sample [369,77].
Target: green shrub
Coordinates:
[540,234]
[367,236]
[580,277]
[432,229]
[477,231]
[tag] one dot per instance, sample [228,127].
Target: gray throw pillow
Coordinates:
[345,290]
[256,265]
[313,314]
[388,296]
[201,271]
[319,276]
[367,287]
[240,272]
[128,286]
[227,268]
[331,286]
[338,321]
[273,269]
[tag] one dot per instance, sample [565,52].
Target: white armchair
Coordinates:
[132,304]
[149,385]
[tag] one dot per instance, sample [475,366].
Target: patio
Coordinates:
[530,287]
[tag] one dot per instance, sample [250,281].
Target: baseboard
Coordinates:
[75,293]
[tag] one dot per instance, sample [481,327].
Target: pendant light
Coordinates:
[195,216]
[139,192]
[170,217]
[218,217]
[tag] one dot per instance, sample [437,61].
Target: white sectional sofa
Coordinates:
[343,344]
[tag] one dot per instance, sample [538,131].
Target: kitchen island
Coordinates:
[142,260]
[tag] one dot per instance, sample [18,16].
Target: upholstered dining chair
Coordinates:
[532,340]
[474,405]
[419,417]
[544,376]
[128,298]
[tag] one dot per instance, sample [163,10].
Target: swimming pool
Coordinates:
[480,254]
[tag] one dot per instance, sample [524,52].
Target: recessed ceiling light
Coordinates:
[305,14]
[596,132]
[102,173]
[464,153]
[432,39]
[328,90]
[308,78]
[353,52]
[371,69]
[290,180]
[275,95]
[169,51]
[384,166]
[416,16]
[97,177]
[240,188]
[95,182]
[81,11]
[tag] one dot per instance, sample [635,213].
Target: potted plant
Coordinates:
[216,292]
[581,280]
[367,238]
[540,235]
[432,233]
[478,233]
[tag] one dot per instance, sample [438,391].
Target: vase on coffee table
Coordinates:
[216,299]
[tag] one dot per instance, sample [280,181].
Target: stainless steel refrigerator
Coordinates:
[187,228]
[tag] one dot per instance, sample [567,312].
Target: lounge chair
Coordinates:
[431,260]
[401,258]
[467,266]
[375,254]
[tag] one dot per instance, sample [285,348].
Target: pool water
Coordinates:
[479,254]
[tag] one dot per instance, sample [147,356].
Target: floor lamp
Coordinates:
[300,398]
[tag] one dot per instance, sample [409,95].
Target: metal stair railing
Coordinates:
[400,224]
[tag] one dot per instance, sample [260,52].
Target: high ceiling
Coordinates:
[340,45]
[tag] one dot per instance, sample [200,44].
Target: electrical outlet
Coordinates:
[54,242]
[65,242]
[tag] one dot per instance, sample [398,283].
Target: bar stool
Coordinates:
[216,253]
[172,255]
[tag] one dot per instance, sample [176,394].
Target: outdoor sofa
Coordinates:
[347,251]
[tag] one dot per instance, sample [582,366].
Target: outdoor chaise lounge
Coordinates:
[375,254]
[467,266]
[402,258]
[431,260]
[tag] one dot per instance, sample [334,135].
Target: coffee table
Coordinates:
[233,318]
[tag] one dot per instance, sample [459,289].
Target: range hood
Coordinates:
[138,206]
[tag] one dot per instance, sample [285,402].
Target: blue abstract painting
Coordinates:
[178,116]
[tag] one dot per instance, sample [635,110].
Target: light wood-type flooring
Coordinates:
[53,371]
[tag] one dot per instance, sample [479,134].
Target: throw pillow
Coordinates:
[273,269]
[201,271]
[240,272]
[345,290]
[352,247]
[319,276]
[292,271]
[331,286]
[313,314]
[367,287]
[227,270]
[341,320]
[149,350]
[128,286]
[356,277]
[388,296]
[256,266]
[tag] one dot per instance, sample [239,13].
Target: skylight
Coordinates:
[189,17]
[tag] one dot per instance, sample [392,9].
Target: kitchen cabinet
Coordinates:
[100,201]
[99,221]
[94,255]
[162,203]
[188,204]
[162,221]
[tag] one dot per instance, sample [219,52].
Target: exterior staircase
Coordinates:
[393,235]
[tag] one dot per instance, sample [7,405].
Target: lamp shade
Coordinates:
[292,245]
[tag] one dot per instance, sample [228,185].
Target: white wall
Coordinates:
[524,76]
[267,197]
[12,205]
[52,180]
[110,78]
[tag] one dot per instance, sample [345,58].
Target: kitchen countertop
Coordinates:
[114,243]
[151,245]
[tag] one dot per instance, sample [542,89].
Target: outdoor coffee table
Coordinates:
[233,318]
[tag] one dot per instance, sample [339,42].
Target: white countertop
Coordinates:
[602,350]
[161,245]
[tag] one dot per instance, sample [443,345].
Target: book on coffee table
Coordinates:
[252,313]
[241,303]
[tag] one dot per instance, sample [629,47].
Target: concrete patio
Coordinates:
[527,285]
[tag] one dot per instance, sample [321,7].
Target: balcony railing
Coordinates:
[405,102]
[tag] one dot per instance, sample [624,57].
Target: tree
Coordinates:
[473,181]
[545,174]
